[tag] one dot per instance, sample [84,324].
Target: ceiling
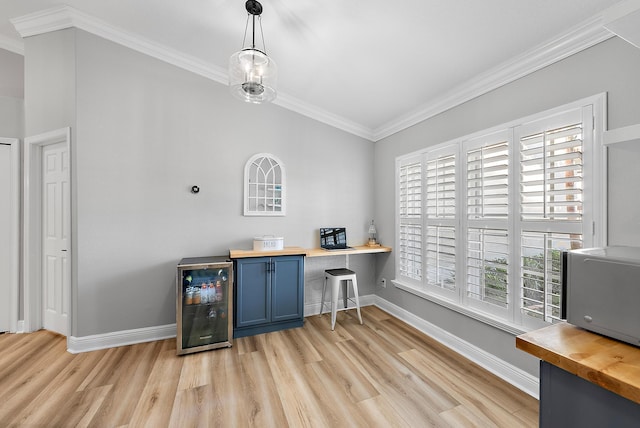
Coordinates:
[370,68]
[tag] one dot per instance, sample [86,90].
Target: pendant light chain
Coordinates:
[244,39]
[253,35]
[264,45]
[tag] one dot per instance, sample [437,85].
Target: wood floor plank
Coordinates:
[381,414]
[404,394]
[293,389]
[37,375]
[261,402]
[478,398]
[384,373]
[129,378]
[156,402]
[55,398]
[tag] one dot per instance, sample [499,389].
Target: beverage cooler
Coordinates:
[204,306]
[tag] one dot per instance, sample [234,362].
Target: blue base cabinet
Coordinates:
[567,400]
[269,294]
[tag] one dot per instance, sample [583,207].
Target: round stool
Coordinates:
[335,277]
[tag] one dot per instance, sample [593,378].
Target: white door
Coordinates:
[6,225]
[55,236]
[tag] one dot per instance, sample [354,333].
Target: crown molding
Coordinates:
[11,45]
[583,36]
[623,20]
[579,38]
[323,116]
[62,17]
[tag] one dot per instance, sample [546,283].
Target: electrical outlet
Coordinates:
[383,282]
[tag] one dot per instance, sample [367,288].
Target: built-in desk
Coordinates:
[586,379]
[270,286]
[287,251]
[360,249]
[309,252]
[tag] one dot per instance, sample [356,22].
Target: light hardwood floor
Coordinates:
[382,374]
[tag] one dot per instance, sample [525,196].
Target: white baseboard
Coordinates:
[20,326]
[314,308]
[76,345]
[506,371]
[114,339]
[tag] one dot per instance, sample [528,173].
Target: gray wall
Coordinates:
[143,133]
[11,94]
[613,67]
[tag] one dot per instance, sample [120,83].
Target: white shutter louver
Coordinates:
[411,191]
[488,266]
[441,257]
[541,268]
[441,187]
[410,214]
[411,251]
[488,181]
[551,174]
[441,216]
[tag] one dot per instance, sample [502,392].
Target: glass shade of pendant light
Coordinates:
[252,74]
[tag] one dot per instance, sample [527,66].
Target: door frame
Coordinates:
[14,288]
[32,272]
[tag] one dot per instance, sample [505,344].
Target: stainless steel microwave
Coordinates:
[603,291]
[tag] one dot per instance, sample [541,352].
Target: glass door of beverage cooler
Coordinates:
[204,304]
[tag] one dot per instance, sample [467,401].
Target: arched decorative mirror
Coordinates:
[264,186]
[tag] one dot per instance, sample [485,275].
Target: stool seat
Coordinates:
[336,277]
[337,272]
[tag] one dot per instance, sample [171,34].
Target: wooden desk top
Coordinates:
[287,251]
[359,249]
[313,252]
[606,362]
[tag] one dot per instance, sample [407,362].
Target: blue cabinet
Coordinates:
[269,294]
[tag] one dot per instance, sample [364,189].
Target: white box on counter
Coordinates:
[268,243]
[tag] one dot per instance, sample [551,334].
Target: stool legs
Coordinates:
[354,284]
[324,288]
[335,286]
[334,283]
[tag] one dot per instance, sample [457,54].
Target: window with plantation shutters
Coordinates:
[487,194]
[552,219]
[410,219]
[441,187]
[551,171]
[441,257]
[488,181]
[541,272]
[441,218]
[488,266]
[483,220]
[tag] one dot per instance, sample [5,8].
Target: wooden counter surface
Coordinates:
[360,249]
[608,363]
[287,251]
[313,252]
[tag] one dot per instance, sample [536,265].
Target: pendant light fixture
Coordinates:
[252,74]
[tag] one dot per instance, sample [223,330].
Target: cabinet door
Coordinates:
[287,287]
[253,291]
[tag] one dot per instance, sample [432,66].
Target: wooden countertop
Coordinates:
[359,249]
[313,252]
[606,362]
[287,251]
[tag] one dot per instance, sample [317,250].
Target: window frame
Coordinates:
[593,115]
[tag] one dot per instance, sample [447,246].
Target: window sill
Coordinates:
[471,313]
